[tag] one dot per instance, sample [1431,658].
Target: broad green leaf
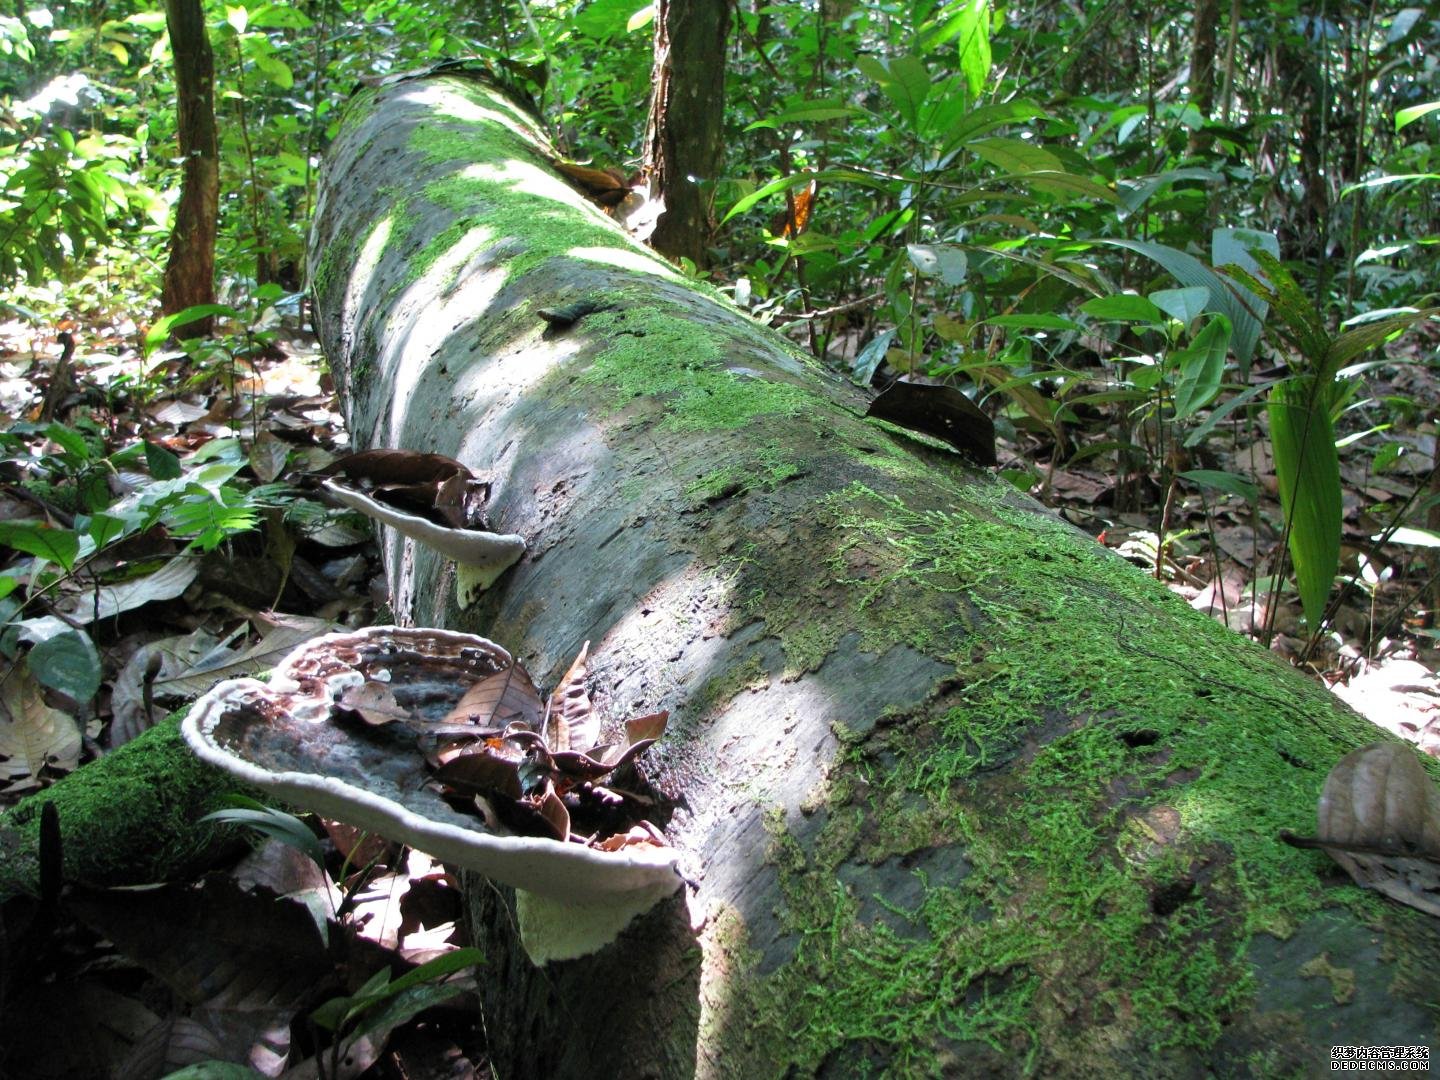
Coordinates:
[987,118]
[1201,367]
[106,528]
[70,441]
[1190,271]
[68,662]
[1365,336]
[808,112]
[163,464]
[157,334]
[408,1004]
[1063,184]
[442,965]
[950,328]
[276,824]
[1123,307]
[602,19]
[1232,247]
[1182,304]
[1414,112]
[1133,194]
[280,17]
[870,356]
[334,1013]
[1033,322]
[276,70]
[1015,155]
[945,261]
[1224,481]
[904,80]
[1299,317]
[641,19]
[148,20]
[1386,181]
[1147,378]
[57,545]
[973,33]
[1308,471]
[1240,400]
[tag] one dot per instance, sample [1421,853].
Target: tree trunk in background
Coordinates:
[190,271]
[960,791]
[683,133]
[1204,47]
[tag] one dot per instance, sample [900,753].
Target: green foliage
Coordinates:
[384,1002]
[198,498]
[273,824]
[1036,203]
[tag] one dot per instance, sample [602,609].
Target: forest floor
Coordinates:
[265,405]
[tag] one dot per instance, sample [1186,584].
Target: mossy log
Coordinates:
[130,818]
[961,792]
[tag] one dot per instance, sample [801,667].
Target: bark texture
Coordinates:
[961,792]
[1204,46]
[687,108]
[190,270]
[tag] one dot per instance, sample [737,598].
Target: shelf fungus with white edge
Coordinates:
[480,557]
[292,739]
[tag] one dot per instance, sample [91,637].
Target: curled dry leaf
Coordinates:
[485,771]
[374,703]
[552,809]
[432,486]
[644,834]
[1379,818]
[570,721]
[32,734]
[531,774]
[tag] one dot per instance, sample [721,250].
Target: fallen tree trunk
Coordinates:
[960,791]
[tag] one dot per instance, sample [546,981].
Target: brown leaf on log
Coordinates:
[1379,818]
[374,703]
[433,486]
[570,720]
[484,772]
[522,770]
[552,809]
[608,187]
[500,699]
[939,411]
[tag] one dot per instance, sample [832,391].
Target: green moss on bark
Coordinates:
[1115,769]
[127,819]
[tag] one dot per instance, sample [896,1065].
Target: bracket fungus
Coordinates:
[432,499]
[360,727]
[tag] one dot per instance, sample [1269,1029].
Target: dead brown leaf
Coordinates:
[1379,818]
[570,720]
